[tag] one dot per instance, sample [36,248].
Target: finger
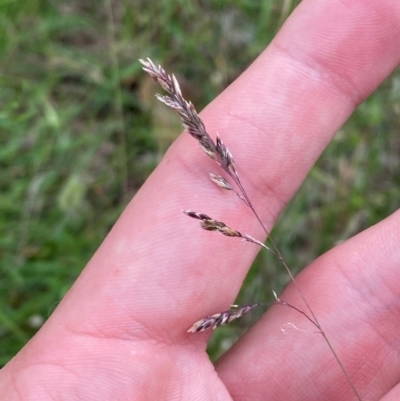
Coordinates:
[393,395]
[354,291]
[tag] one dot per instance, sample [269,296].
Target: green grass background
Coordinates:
[80,132]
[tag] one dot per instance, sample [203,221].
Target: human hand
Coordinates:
[120,333]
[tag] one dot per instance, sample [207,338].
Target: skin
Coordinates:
[120,333]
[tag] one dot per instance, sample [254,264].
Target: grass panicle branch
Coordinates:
[237,311]
[190,119]
[209,224]
[219,319]
[218,152]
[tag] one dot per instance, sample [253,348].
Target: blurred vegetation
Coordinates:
[80,132]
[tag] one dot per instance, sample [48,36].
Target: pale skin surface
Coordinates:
[120,333]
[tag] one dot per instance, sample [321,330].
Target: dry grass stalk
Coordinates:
[223,157]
